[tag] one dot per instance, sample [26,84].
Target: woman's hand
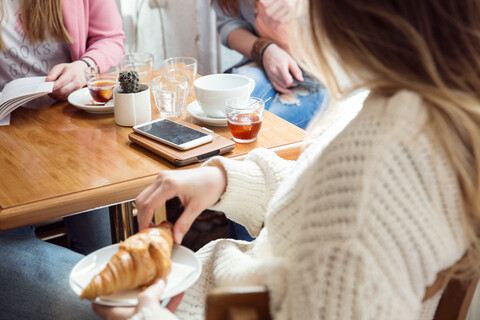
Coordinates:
[280,67]
[274,12]
[68,77]
[197,189]
[148,298]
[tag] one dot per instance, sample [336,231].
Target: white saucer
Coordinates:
[186,269]
[196,112]
[83,100]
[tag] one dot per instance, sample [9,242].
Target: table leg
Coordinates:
[122,221]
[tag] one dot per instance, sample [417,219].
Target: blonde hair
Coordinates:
[430,47]
[40,19]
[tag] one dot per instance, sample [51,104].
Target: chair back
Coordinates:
[237,303]
[251,303]
[456,299]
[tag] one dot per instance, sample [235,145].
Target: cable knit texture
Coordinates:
[356,230]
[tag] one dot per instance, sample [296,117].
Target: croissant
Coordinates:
[140,260]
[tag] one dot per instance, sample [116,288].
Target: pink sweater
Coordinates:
[96,29]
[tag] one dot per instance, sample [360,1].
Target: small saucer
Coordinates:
[83,100]
[196,112]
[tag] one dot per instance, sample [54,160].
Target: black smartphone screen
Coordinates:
[172,132]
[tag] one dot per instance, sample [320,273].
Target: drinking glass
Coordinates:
[182,66]
[244,117]
[101,79]
[142,62]
[170,93]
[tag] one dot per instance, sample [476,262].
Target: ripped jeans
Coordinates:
[297,107]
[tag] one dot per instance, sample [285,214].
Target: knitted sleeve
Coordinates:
[250,186]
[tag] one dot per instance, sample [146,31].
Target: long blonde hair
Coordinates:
[40,19]
[430,47]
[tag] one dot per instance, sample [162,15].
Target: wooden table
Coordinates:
[58,160]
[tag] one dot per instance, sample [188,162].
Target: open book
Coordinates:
[20,91]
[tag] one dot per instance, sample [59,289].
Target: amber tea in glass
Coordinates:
[244,117]
[102,90]
[100,81]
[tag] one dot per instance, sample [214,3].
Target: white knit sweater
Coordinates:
[356,230]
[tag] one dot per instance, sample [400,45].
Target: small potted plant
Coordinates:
[131,100]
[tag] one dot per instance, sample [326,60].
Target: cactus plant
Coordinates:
[128,80]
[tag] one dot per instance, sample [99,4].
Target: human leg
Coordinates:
[263,88]
[89,231]
[297,107]
[34,277]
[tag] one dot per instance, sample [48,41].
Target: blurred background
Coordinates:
[170,28]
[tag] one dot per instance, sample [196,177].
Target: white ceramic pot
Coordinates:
[131,109]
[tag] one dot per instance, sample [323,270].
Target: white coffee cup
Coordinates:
[213,90]
[131,109]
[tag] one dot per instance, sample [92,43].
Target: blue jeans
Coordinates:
[89,231]
[297,108]
[34,274]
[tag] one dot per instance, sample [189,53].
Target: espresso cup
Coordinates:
[213,90]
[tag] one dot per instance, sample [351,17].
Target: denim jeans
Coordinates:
[297,108]
[34,275]
[89,231]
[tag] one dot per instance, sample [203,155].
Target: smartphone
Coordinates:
[173,134]
[308,81]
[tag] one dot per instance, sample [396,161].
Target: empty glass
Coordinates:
[244,117]
[182,66]
[100,81]
[170,93]
[142,62]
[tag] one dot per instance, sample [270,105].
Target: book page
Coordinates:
[24,87]
[5,121]
[20,91]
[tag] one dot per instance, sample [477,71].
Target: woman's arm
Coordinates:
[250,186]
[105,40]
[96,29]
[279,66]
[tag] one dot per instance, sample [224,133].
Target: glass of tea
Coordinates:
[244,117]
[101,80]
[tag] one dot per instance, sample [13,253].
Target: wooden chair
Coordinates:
[237,303]
[251,303]
[456,300]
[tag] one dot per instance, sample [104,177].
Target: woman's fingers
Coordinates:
[185,221]
[55,72]
[197,189]
[174,302]
[153,198]
[296,71]
[151,295]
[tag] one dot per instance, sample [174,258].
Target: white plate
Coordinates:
[83,100]
[186,269]
[196,112]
